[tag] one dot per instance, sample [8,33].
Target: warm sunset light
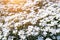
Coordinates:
[18,1]
[13,1]
[13,5]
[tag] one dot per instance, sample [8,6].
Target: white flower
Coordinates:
[48,39]
[4,38]
[30,28]
[11,37]
[22,36]
[53,31]
[46,28]
[28,33]
[14,31]
[36,28]
[44,14]
[36,33]
[58,30]
[51,9]
[44,33]
[25,21]
[5,31]
[21,32]
[53,23]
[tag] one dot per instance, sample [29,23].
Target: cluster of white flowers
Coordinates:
[33,18]
[51,21]
[29,31]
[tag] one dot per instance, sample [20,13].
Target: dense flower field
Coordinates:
[29,20]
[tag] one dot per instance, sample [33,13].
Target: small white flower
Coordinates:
[30,27]
[48,39]
[46,28]
[44,33]
[21,32]
[14,31]
[36,33]
[28,33]
[5,31]
[11,37]
[4,38]
[36,28]
[58,30]
[22,36]
[53,31]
